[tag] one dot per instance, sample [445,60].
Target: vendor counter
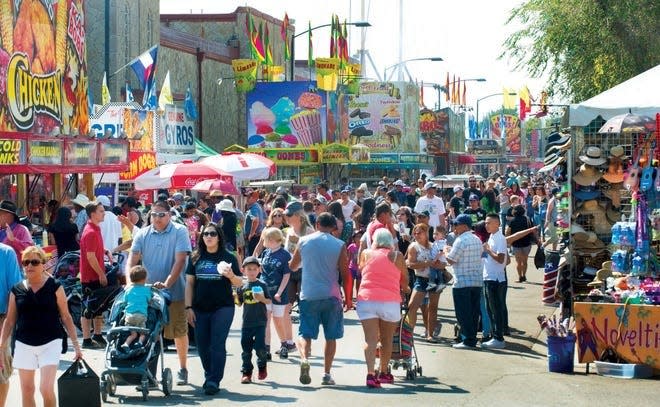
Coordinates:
[632,330]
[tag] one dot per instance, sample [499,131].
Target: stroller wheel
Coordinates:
[145,389]
[167,381]
[419,370]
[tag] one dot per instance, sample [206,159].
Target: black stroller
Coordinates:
[139,366]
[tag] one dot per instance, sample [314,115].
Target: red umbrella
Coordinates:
[222,185]
[179,175]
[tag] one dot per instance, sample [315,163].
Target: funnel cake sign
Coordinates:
[43,67]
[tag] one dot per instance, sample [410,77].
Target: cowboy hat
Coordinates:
[601,277]
[587,175]
[216,193]
[617,152]
[593,156]
[614,174]
[587,240]
[80,200]
[10,207]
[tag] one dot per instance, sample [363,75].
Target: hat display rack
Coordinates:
[613,192]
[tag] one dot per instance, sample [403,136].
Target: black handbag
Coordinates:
[539,258]
[79,386]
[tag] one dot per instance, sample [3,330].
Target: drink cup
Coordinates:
[257,290]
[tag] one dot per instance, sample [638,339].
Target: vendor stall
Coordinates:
[614,237]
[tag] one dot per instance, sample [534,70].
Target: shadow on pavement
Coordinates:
[420,385]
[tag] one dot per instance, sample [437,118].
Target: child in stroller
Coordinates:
[138,365]
[137,299]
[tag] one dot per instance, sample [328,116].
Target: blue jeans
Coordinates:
[211,331]
[495,292]
[253,338]
[503,221]
[466,304]
[486,327]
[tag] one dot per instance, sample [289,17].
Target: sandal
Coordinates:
[372,382]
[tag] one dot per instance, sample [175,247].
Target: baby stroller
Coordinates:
[404,354]
[138,366]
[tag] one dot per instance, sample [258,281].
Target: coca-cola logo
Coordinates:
[191,182]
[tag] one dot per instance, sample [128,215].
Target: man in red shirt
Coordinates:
[92,270]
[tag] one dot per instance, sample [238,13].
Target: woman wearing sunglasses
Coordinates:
[275,220]
[209,302]
[37,308]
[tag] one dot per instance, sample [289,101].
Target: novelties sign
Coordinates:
[44,75]
[178,133]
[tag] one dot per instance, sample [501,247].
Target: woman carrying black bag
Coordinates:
[523,246]
[36,306]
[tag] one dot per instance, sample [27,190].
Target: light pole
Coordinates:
[486,97]
[434,59]
[362,24]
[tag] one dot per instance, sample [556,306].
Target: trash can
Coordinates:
[561,351]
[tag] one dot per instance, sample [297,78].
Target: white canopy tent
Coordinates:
[639,95]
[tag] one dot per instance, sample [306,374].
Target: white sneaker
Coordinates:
[461,345]
[493,344]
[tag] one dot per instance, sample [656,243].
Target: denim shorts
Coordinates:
[327,312]
[420,283]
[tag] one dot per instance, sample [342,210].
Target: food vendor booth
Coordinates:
[44,110]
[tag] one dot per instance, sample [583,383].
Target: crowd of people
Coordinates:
[377,251]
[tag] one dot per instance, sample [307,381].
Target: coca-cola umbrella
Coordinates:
[225,187]
[628,123]
[242,166]
[179,175]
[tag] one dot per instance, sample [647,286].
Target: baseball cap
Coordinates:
[178,197]
[424,213]
[474,197]
[103,200]
[458,188]
[321,199]
[251,260]
[399,183]
[292,208]
[280,190]
[429,185]
[463,220]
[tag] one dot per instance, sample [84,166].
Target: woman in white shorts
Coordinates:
[36,306]
[384,276]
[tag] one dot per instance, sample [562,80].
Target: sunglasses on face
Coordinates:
[33,262]
[277,216]
[158,214]
[210,234]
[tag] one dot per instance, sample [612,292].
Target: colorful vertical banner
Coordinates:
[352,78]
[434,132]
[138,125]
[245,74]
[507,128]
[55,60]
[327,73]
[286,115]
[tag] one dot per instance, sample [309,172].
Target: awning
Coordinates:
[203,150]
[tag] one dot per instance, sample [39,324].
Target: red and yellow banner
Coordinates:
[632,331]
[44,67]
[138,164]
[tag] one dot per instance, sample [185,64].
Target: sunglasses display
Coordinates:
[33,262]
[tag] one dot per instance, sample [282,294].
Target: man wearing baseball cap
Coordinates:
[456,203]
[465,257]
[12,233]
[433,204]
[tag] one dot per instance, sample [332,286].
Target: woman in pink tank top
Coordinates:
[384,276]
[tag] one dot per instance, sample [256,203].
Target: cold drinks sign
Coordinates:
[177,133]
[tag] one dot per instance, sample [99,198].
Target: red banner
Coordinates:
[138,164]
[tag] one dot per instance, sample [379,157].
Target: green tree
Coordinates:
[586,46]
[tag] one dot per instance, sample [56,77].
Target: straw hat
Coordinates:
[614,174]
[80,200]
[587,175]
[602,274]
[617,152]
[593,156]
[587,240]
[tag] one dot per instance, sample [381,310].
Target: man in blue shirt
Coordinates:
[10,275]
[255,219]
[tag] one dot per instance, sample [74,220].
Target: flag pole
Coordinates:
[130,63]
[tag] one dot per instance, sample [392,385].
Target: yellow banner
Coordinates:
[632,331]
[327,73]
[245,74]
[273,73]
[352,74]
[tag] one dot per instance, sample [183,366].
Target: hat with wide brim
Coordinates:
[225,205]
[551,163]
[558,139]
[587,175]
[617,152]
[10,207]
[614,174]
[586,194]
[587,240]
[593,156]
[601,277]
[80,200]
